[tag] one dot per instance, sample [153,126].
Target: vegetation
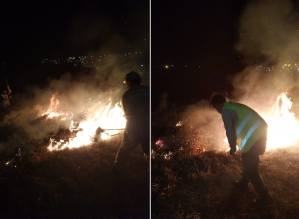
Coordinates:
[73,183]
[191,174]
[198,185]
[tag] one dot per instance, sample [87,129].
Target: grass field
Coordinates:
[73,183]
[191,172]
[197,184]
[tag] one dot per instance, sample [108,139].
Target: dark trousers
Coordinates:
[129,142]
[250,164]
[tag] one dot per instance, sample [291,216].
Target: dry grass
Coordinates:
[75,183]
[199,185]
[195,180]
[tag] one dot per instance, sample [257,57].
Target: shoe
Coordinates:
[242,186]
[265,200]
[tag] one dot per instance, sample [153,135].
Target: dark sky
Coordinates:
[64,28]
[193,33]
[34,30]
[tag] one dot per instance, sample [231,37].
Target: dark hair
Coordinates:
[133,77]
[218,99]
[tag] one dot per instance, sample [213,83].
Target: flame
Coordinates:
[54,109]
[283,127]
[111,117]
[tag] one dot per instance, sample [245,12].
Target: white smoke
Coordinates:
[268,42]
[83,92]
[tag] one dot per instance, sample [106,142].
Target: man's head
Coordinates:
[132,79]
[218,101]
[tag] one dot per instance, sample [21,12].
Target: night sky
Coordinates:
[197,38]
[33,30]
[43,28]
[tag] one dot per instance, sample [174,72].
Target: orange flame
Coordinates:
[112,117]
[54,110]
[283,127]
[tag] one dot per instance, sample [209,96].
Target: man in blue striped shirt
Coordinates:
[246,129]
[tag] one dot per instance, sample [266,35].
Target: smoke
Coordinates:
[268,43]
[269,31]
[269,47]
[204,126]
[82,93]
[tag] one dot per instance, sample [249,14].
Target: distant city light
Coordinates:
[89,60]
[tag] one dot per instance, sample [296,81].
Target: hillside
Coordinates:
[74,183]
[197,184]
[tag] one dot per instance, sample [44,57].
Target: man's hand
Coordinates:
[232,151]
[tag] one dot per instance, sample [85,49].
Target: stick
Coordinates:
[110,134]
[100,130]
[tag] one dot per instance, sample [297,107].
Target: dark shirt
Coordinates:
[136,106]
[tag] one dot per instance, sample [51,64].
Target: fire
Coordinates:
[54,109]
[81,133]
[283,127]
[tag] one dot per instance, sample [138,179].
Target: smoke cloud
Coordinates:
[268,43]
[269,47]
[81,93]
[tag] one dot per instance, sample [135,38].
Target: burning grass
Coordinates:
[191,174]
[74,183]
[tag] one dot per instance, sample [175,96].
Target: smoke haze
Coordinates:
[268,42]
[85,92]
[269,47]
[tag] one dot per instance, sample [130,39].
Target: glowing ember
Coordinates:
[160,143]
[179,124]
[283,128]
[168,156]
[81,133]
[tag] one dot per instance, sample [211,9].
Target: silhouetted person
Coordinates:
[135,103]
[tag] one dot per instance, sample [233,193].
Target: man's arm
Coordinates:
[124,104]
[230,118]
